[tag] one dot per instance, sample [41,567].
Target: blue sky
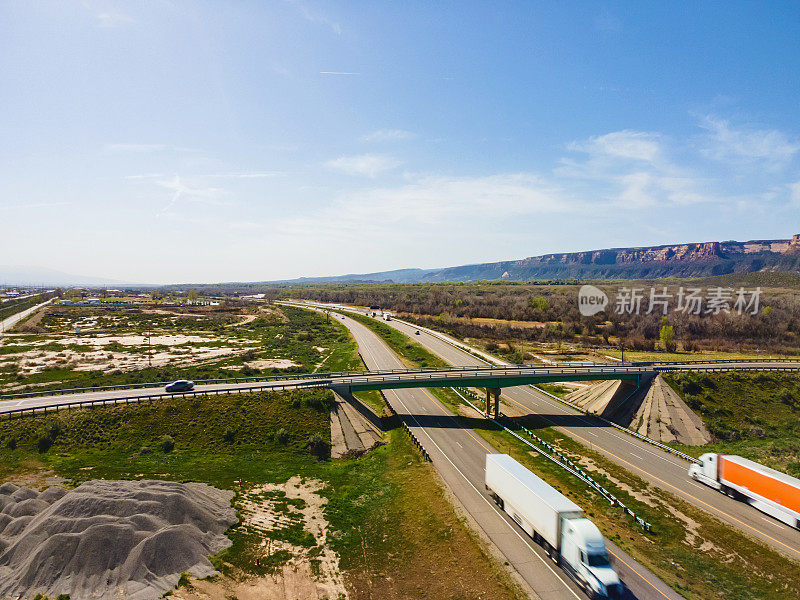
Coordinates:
[168,141]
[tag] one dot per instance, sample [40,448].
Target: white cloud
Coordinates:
[627,144]
[765,146]
[794,193]
[192,192]
[145,176]
[248,175]
[138,148]
[316,17]
[337,73]
[431,206]
[369,165]
[388,135]
[33,205]
[113,19]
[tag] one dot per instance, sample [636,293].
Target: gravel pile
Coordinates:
[109,539]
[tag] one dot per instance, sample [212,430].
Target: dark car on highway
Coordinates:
[182,385]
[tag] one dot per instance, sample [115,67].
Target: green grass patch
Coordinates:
[413,354]
[293,334]
[752,414]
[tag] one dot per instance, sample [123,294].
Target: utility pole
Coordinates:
[622,350]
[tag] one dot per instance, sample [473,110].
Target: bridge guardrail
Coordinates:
[129,386]
[43,409]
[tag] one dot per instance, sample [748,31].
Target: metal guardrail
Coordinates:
[43,409]
[292,376]
[560,368]
[636,434]
[644,363]
[556,456]
[483,372]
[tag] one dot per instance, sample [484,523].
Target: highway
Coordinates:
[459,457]
[9,322]
[458,454]
[656,466]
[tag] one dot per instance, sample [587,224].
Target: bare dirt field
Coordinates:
[312,572]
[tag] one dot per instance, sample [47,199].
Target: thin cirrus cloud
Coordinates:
[366,165]
[388,135]
[113,19]
[188,192]
[723,142]
[135,148]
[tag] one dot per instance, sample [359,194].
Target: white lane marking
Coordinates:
[591,433]
[423,430]
[533,550]
[636,456]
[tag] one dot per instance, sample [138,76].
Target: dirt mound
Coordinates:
[109,539]
[653,409]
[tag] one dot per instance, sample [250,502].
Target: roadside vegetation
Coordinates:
[390,523]
[693,552]
[85,346]
[9,308]
[388,517]
[413,354]
[752,414]
[546,313]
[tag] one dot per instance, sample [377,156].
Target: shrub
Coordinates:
[785,396]
[318,446]
[48,437]
[145,450]
[229,435]
[167,444]
[11,444]
[281,436]
[183,581]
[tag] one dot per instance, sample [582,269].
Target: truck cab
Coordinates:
[583,553]
[706,472]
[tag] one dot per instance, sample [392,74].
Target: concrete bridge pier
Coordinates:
[489,393]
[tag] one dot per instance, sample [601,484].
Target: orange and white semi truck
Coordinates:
[772,492]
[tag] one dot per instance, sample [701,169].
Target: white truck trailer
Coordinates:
[555,522]
[387,316]
[772,492]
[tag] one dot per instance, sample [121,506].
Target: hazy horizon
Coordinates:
[203,142]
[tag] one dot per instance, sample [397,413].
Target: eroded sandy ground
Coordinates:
[106,353]
[312,573]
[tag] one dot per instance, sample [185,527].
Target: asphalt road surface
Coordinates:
[9,322]
[458,454]
[656,466]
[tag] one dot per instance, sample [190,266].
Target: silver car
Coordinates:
[182,385]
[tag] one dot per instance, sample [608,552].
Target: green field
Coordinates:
[389,518]
[248,336]
[755,415]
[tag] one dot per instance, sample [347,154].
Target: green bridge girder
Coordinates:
[483,382]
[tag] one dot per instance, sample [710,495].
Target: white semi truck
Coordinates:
[555,522]
[772,492]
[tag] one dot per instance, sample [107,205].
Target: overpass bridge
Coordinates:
[492,378]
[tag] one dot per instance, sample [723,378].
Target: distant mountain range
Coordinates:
[703,259]
[677,260]
[40,276]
